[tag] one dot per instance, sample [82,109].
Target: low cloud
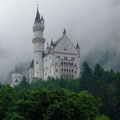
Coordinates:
[95,24]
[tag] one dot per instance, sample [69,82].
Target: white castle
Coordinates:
[60,60]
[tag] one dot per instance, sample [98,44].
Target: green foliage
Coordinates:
[14,116]
[102,118]
[100,83]
[48,100]
[23,85]
[117,110]
[41,104]
[7,99]
[86,77]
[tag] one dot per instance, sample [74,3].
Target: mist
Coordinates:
[95,24]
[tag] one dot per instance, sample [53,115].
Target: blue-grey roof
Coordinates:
[37,18]
[42,19]
[77,46]
[64,32]
[52,43]
[32,64]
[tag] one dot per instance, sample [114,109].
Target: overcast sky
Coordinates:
[95,24]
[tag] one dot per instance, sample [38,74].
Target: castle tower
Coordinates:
[38,42]
[78,59]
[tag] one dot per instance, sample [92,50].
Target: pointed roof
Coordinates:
[52,43]
[37,18]
[77,46]
[32,64]
[64,32]
[42,19]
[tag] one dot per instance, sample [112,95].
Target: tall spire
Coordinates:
[37,18]
[64,32]
[42,19]
[77,46]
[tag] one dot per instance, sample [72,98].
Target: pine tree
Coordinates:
[117,112]
[24,83]
[86,77]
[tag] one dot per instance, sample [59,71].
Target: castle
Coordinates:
[60,59]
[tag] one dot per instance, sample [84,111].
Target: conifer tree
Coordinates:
[86,76]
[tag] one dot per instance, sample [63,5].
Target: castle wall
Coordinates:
[31,74]
[53,65]
[16,79]
[48,66]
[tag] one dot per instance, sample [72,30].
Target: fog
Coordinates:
[95,24]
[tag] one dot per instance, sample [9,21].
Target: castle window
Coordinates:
[65,58]
[61,63]
[58,56]
[56,70]
[72,58]
[16,81]
[75,65]
[65,49]
[36,62]
[65,75]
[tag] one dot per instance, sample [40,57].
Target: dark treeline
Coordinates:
[41,104]
[104,85]
[95,94]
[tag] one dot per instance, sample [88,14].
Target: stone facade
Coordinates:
[16,78]
[60,59]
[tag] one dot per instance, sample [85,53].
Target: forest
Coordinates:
[95,95]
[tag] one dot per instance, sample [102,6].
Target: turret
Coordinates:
[31,71]
[64,32]
[38,42]
[38,27]
[78,47]
[16,78]
[78,59]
